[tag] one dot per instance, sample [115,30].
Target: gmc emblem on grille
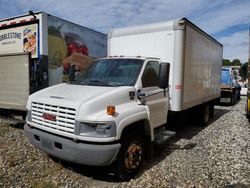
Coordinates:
[49,117]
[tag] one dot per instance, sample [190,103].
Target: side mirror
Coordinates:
[72,72]
[164,75]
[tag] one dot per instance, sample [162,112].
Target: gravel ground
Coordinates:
[214,156]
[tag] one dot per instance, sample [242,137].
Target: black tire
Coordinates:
[211,111]
[232,99]
[24,116]
[130,157]
[204,114]
[238,94]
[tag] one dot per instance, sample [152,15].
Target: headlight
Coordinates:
[96,129]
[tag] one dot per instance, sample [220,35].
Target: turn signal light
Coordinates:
[111,110]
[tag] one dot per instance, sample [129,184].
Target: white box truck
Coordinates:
[34,54]
[113,112]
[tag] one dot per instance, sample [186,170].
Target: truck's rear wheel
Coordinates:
[205,111]
[131,156]
[211,113]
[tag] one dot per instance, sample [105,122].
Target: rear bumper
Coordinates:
[226,96]
[66,149]
[225,100]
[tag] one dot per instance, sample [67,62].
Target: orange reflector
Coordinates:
[111,110]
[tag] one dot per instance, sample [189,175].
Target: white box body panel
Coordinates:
[195,58]
[202,75]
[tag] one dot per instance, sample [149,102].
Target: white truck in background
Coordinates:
[113,112]
[34,49]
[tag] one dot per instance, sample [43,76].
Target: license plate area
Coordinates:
[225,100]
[46,144]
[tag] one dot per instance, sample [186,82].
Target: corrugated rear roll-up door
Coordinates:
[14,81]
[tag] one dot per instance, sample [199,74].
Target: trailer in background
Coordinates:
[35,52]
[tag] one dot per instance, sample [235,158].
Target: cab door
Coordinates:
[153,97]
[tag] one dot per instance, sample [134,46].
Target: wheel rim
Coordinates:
[206,113]
[133,156]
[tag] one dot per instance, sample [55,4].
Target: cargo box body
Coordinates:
[195,58]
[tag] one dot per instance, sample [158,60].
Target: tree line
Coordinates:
[236,62]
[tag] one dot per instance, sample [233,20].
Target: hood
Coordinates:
[78,93]
[69,93]
[82,96]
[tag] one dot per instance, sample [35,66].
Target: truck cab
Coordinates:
[108,114]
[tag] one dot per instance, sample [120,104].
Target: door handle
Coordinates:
[142,95]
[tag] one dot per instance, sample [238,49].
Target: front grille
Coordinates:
[65,117]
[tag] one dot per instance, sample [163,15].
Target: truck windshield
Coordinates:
[225,76]
[111,72]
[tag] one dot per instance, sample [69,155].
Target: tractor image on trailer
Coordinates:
[35,52]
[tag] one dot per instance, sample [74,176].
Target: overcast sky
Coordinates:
[226,20]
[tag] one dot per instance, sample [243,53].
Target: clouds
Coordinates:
[236,46]
[225,15]
[212,16]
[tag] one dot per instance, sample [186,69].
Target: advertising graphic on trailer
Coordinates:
[71,44]
[19,39]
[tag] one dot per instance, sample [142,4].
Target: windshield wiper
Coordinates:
[100,82]
[94,82]
[78,82]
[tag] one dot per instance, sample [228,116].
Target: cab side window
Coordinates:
[150,76]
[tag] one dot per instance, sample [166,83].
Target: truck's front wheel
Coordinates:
[131,156]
